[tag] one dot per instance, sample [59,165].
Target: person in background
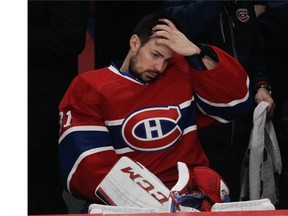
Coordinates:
[56,36]
[273,22]
[144,107]
[231,26]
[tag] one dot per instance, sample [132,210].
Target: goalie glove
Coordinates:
[206,188]
[211,184]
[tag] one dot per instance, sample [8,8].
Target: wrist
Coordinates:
[265,86]
[195,61]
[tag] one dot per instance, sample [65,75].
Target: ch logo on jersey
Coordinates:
[242,14]
[152,129]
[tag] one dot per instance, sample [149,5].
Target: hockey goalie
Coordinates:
[128,140]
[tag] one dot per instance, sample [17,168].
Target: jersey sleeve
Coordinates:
[223,93]
[85,148]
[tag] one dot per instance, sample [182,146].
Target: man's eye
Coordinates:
[154,55]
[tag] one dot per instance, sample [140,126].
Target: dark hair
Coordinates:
[144,27]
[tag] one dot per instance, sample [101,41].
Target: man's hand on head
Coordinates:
[170,36]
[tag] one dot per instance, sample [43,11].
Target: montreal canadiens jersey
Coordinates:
[106,114]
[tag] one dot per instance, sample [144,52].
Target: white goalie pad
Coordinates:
[130,184]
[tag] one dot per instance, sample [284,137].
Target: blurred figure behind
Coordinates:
[231,26]
[273,22]
[56,36]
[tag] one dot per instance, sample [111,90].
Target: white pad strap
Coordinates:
[251,205]
[183,177]
[106,209]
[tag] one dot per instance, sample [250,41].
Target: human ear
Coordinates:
[134,43]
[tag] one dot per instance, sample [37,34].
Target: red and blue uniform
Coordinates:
[106,114]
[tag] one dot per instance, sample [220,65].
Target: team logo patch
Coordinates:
[242,15]
[152,129]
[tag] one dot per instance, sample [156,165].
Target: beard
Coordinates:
[140,74]
[133,69]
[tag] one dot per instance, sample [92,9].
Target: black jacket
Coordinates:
[230,25]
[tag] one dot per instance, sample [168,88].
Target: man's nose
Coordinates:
[160,66]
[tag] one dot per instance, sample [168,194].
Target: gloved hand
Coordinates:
[199,191]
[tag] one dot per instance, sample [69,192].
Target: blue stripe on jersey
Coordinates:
[227,112]
[75,144]
[188,116]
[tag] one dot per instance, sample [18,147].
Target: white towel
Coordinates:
[262,159]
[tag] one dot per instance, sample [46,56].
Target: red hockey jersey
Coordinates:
[106,115]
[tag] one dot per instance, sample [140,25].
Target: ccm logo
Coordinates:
[145,184]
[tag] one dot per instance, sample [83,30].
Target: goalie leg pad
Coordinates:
[130,184]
